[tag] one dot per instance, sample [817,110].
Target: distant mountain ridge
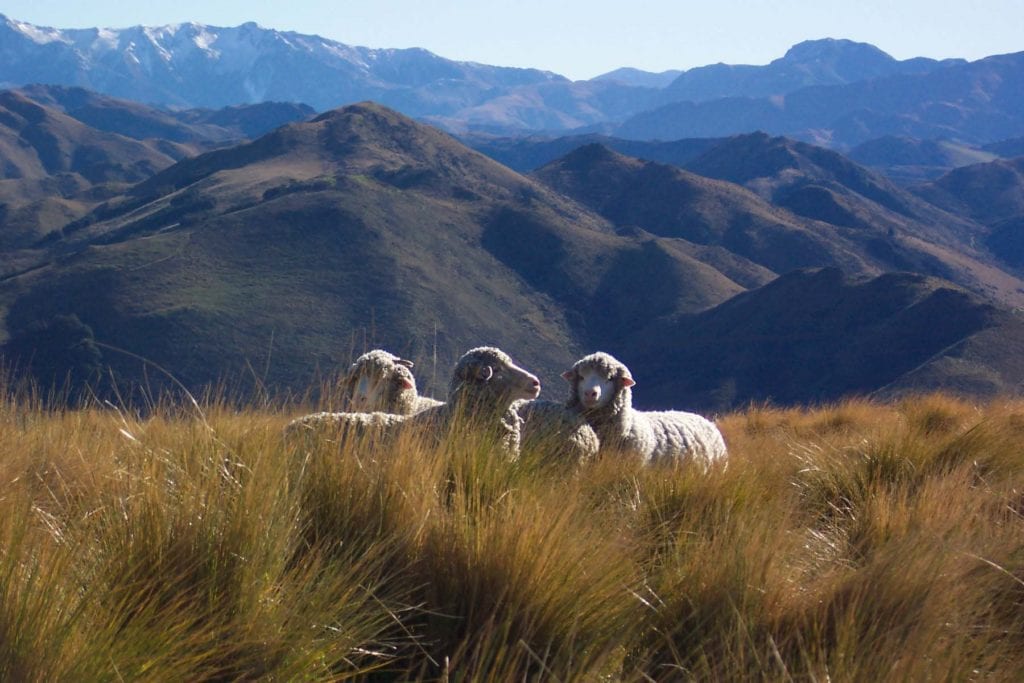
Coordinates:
[832,92]
[977,102]
[194,65]
[813,62]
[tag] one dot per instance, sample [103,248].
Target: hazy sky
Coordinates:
[581,39]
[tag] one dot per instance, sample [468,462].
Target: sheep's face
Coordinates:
[367,392]
[370,388]
[516,382]
[488,367]
[595,388]
[526,383]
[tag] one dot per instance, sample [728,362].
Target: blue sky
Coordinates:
[583,39]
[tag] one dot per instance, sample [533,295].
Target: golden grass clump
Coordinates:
[854,541]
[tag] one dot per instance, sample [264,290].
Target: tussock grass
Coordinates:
[855,541]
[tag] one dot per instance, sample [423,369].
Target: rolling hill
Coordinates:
[55,168]
[671,202]
[990,193]
[358,228]
[273,261]
[909,161]
[197,128]
[783,204]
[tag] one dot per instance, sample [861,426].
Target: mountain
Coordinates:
[623,93]
[988,193]
[247,120]
[198,127]
[356,229]
[815,336]
[888,221]
[835,92]
[274,261]
[550,106]
[992,194]
[639,77]
[821,184]
[55,168]
[1014,147]
[526,154]
[671,202]
[977,102]
[197,66]
[64,150]
[814,62]
[802,207]
[909,161]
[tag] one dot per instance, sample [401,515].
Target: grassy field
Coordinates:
[854,542]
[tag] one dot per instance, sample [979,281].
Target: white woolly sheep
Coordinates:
[601,392]
[379,391]
[557,431]
[485,383]
[379,381]
[343,427]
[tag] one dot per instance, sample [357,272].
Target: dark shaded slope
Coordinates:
[988,193]
[526,154]
[992,194]
[819,335]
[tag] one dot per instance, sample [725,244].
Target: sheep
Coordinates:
[601,392]
[379,381]
[557,431]
[343,426]
[379,390]
[484,386]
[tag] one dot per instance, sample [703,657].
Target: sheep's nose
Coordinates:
[536,382]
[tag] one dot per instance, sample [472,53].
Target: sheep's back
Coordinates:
[682,436]
[343,426]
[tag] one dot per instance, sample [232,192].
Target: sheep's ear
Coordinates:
[484,372]
[405,383]
[402,361]
[569,375]
[627,381]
